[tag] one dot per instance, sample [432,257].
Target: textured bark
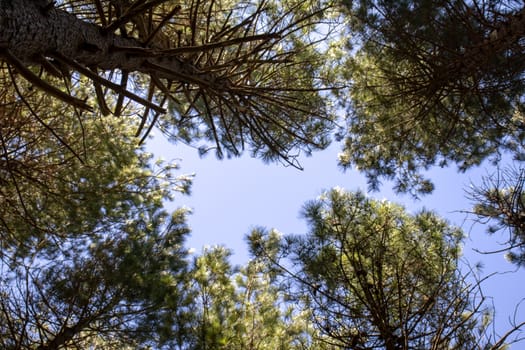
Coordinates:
[34,30]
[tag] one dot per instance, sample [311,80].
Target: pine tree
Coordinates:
[376,277]
[433,83]
[229,74]
[499,203]
[244,308]
[88,254]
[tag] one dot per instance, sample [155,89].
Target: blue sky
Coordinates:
[231,196]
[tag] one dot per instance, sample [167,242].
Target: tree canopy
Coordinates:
[88,253]
[432,83]
[499,204]
[244,307]
[233,75]
[90,257]
[376,277]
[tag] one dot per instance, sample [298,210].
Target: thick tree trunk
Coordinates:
[34,30]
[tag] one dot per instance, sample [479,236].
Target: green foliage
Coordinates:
[270,103]
[244,308]
[375,276]
[88,254]
[90,258]
[499,203]
[221,75]
[433,82]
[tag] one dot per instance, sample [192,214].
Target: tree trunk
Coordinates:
[33,30]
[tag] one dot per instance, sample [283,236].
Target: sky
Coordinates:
[230,197]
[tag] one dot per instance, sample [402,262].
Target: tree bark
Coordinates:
[33,30]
